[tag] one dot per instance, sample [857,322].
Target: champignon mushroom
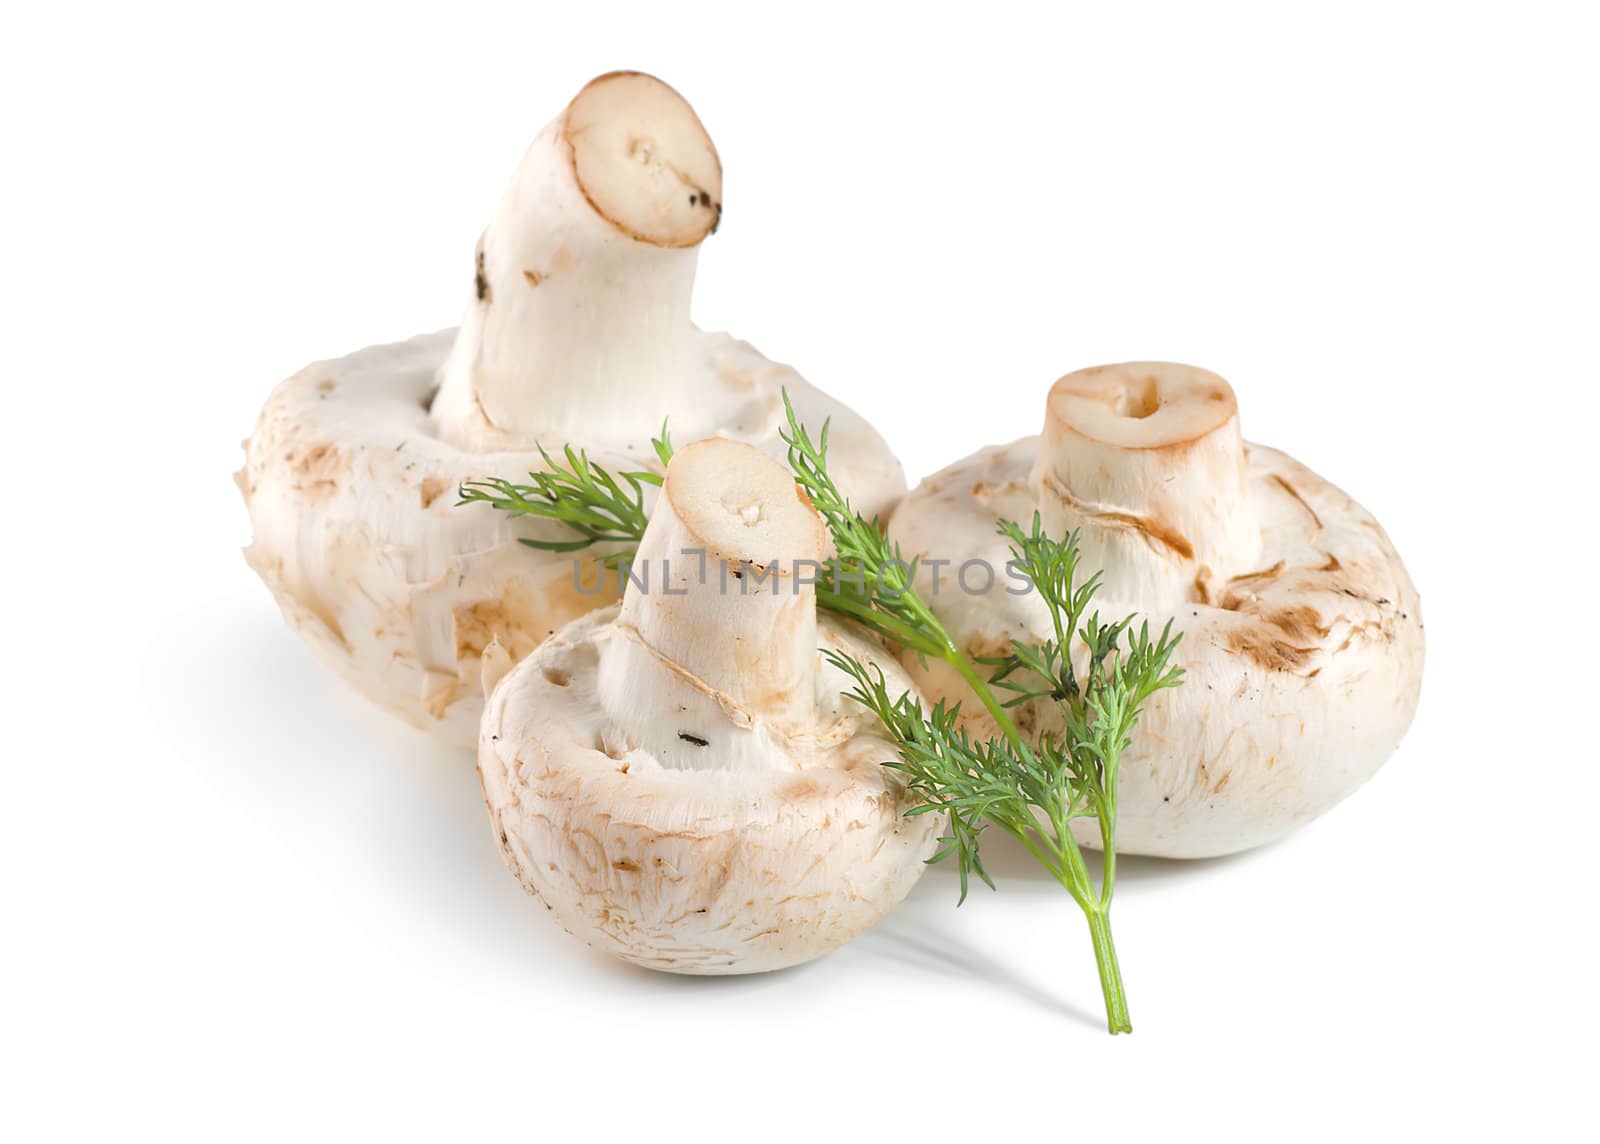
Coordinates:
[1302,633]
[680,778]
[577,331]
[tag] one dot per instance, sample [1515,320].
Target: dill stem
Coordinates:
[900,632]
[980,687]
[1108,855]
[1105,960]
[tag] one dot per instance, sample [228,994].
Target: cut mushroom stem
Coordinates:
[580,314]
[718,630]
[1145,459]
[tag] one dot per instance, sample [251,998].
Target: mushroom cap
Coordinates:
[352,490]
[1303,671]
[697,871]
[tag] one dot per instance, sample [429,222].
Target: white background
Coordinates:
[239,901]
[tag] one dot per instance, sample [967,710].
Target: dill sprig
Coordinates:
[580,494]
[1098,675]
[1032,791]
[870,580]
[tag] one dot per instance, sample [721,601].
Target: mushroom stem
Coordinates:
[1145,458]
[718,625]
[582,281]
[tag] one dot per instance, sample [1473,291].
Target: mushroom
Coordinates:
[679,777]
[577,331]
[1302,633]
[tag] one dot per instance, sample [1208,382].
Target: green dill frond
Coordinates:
[1031,791]
[869,580]
[600,507]
[663,448]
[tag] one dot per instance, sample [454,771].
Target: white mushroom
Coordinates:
[577,332]
[1302,633]
[679,778]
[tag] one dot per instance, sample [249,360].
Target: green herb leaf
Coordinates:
[587,498]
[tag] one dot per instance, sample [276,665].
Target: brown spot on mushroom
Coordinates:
[521,619]
[533,279]
[313,604]
[505,618]
[1283,639]
[1331,565]
[1361,631]
[801,788]
[326,385]
[1300,622]
[1263,574]
[481,279]
[1156,533]
[315,474]
[626,864]
[437,700]
[1239,594]
[1295,493]
[1248,578]
[432,489]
